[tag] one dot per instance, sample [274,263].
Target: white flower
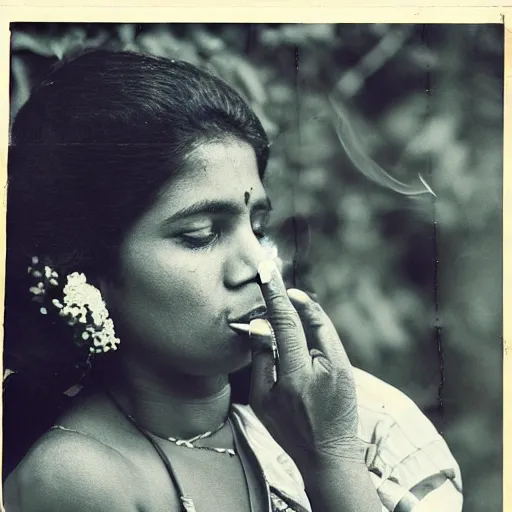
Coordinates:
[82,307]
[34,290]
[57,303]
[81,300]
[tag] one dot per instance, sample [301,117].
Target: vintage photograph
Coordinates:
[254,267]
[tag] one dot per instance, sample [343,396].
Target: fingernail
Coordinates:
[298,296]
[260,327]
[265,270]
[257,327]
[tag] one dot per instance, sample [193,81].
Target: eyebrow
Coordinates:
[218,207]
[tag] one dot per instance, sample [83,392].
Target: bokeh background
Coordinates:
[363,120]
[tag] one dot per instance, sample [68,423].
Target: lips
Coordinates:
[258,312]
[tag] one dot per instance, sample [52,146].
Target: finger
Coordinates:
[284,319]
[264,359]
[264,356]
[320,329]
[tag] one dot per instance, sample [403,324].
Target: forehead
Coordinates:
[224,171]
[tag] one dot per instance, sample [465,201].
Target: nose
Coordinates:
[242,263]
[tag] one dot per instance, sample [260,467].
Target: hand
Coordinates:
[311,410]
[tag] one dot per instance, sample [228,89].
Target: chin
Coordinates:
[235,361]
[225,363]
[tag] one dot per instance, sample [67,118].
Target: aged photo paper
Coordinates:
[390,187]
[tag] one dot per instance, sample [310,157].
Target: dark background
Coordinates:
[413,282]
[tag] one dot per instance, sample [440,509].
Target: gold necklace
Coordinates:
[189,443]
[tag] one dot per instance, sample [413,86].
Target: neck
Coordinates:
[178,405]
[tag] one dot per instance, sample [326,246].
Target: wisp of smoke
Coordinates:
[365,164]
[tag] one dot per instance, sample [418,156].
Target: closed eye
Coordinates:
[200,233]
[199,238]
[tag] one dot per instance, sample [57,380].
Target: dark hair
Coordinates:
[98,139]
[89,151]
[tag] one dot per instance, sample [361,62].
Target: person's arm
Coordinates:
[410,465]
[341,484]
[311,411]
[69,474]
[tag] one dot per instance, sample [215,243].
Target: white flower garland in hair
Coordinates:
[82,306]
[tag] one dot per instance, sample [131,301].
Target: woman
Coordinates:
[136,201]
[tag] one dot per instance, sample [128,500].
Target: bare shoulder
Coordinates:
[67,471]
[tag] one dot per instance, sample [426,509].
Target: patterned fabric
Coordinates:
[410,464]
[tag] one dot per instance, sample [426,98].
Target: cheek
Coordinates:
[180,283]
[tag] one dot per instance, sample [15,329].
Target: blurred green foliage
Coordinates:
[412,282]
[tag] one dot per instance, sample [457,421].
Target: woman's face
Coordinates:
[189,265]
